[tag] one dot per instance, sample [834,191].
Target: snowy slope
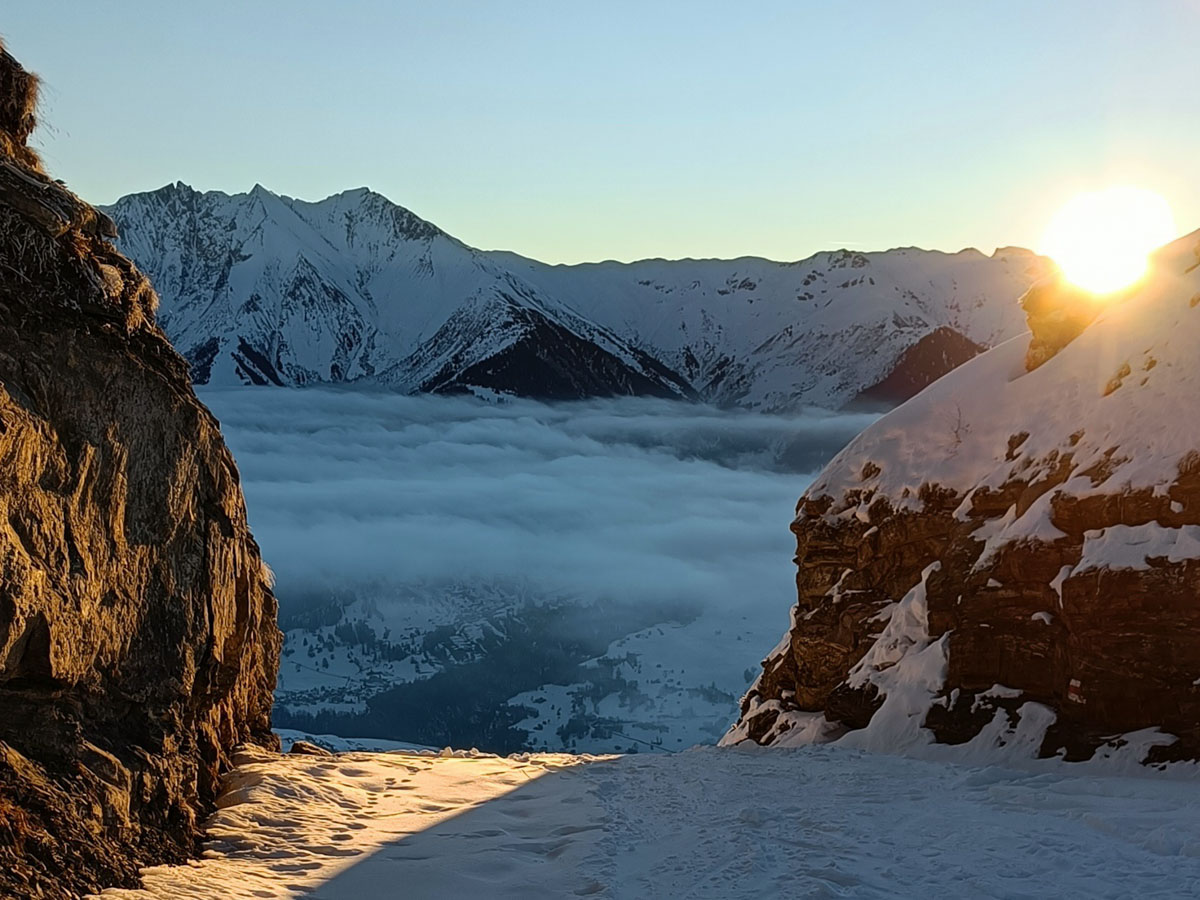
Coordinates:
[822,822]
[1108,399]
[261,288]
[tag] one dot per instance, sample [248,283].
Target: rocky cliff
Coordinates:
[1011,560]
[137,625]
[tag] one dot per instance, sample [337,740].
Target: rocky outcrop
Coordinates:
[1013,557]
[1057,313]
[138,643]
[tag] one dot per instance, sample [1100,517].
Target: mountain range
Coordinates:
[259,288]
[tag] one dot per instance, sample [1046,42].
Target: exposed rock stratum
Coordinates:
[138,643]
[1011,560]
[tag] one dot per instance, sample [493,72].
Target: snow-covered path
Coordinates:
[708,823]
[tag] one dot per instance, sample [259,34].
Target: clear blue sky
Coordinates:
[578,131]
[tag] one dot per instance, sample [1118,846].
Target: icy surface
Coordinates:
[708,823]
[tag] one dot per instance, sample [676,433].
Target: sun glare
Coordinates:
[1102,239]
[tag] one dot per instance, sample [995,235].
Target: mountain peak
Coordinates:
[170,189]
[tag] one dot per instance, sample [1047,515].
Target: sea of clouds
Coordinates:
[630,500]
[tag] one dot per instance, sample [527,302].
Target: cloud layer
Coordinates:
[629,500]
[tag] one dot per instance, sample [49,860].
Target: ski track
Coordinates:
[707,823]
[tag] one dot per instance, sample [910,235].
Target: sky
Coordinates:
[624,130]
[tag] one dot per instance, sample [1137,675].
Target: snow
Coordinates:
[707,823]
[1131,547]
[908,669]
[1033,525]
[1056,583]
[996,690]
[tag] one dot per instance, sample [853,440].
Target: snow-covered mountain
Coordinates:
[263,289]
[821,331]
[259,288]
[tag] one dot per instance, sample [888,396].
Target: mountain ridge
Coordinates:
[263,288]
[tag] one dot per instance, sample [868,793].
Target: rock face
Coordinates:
[1011,560]
[138,643]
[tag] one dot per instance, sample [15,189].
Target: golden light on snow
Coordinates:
[1102,240]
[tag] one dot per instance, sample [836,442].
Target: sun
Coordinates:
[1102,240]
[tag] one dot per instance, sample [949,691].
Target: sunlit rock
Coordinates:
[1057,312]
[138,644]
